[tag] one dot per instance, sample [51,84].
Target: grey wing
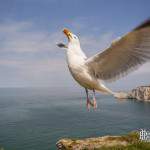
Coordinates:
[123,56]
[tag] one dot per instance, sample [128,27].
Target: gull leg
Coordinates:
[94,100]
[88,102]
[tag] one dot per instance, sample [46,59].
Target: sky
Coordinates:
[30,29]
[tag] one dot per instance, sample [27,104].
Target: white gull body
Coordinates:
[76,63]
[123,56]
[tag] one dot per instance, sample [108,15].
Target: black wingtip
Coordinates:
[61,45]
[144,24]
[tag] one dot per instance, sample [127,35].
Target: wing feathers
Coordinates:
[123,56]
[143,25]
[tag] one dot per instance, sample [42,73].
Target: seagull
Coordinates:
[123,56]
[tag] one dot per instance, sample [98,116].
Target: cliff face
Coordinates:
[140,93]
[91,143]
[125,142]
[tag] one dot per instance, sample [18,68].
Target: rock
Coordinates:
[105,142]
[140,93]
[90,143]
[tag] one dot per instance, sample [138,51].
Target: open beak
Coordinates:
[67,33]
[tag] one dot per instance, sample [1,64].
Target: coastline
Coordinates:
[129,141]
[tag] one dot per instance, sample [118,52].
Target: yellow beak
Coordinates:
[67,33]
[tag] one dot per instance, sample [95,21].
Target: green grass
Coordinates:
[132,140]
[134,143]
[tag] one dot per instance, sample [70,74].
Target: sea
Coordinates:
[36,118]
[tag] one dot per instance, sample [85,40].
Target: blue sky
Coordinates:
[30,29]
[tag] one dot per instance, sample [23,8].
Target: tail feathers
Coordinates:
[105,90]
[119,95]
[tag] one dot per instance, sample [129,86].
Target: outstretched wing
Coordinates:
[123,56]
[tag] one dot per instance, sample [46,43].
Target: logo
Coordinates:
[145,135]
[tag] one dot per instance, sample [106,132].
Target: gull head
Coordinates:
[73,40]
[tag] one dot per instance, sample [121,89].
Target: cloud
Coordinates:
[29,56]
[22,37]
[94,44]
[144,69]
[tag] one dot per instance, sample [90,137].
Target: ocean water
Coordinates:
[36,118]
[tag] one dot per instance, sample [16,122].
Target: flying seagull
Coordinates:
[120,58]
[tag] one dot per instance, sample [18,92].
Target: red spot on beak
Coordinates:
[67,33]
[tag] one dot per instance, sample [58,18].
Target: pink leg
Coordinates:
[94,100]
[88,105]
[88,102]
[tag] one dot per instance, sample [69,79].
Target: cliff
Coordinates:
[139,93]
[125,142]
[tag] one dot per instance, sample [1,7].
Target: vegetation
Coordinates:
[125,142]
[134,143]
